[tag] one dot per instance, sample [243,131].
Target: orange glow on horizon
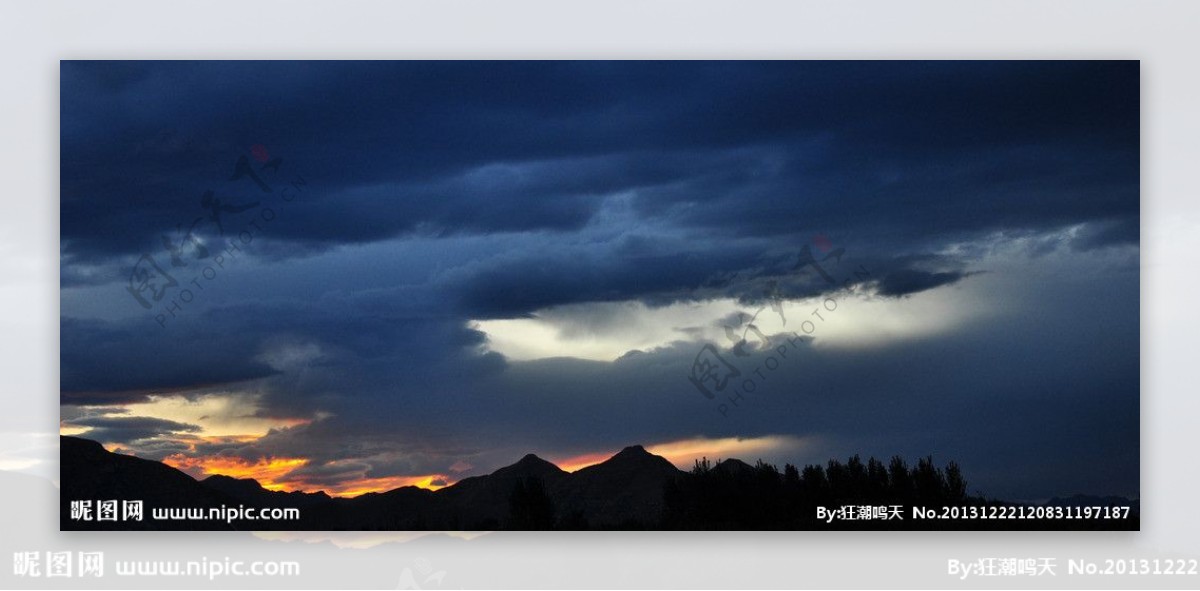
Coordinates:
[275,474]
[684,452]
[579,462]
[353,488]
[71,430]
[266,471]
[278,473]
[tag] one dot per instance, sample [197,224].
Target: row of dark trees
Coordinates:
[734,495]
[739,496]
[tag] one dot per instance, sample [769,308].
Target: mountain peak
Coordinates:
[733,466]
[233,486]
[530,465]
[634,458]
[221,478]
[634,453]
[531,462]
[78,445]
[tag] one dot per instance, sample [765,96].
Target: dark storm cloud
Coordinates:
[126,430]
[633,268]
[478,147]
[909,281]
[659,272]
[113,362]
[156,448]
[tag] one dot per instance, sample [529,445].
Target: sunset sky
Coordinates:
[407,273]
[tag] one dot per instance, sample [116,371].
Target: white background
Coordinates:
[1163,35]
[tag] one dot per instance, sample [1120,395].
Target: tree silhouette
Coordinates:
[791,476]
[900,480]
[956,485]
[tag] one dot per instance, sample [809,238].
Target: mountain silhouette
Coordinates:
[625,490]
[249,490]
[733,467]
[530,465]
[482,502]
[633,489]
[90,473]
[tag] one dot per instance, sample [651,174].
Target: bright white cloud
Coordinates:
[606,331]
